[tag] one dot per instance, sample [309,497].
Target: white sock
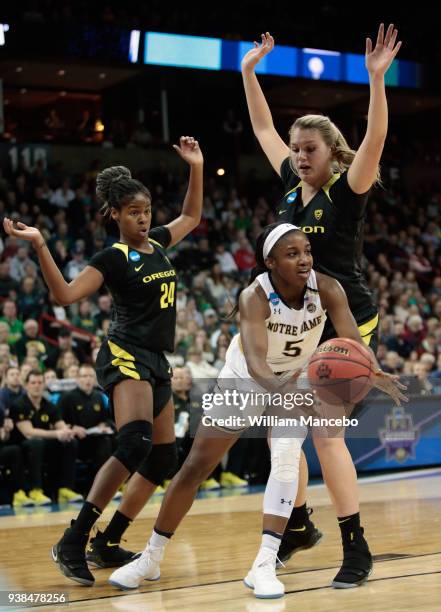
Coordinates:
[271,541]
[157,540]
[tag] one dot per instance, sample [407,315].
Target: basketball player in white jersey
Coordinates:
[282,314]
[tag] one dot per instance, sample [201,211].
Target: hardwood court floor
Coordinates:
[211,553]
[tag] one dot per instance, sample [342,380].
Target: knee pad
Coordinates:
[285,458]
[162,463]
[134,443]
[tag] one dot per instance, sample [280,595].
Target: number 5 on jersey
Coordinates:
[168,294]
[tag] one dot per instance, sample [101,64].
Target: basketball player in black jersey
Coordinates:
[326,190]
[131,366]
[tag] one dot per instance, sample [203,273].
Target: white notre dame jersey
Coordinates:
[293,335]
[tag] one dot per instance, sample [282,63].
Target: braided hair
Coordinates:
[115,187]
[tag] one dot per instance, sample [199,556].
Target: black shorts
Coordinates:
[368,331]
[115,364]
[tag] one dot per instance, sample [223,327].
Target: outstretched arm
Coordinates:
[190,216]
[363,170]
[86,283]
[263,127]
[334,300]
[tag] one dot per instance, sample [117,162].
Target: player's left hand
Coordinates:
[189,150]
[379,59]
[390,384]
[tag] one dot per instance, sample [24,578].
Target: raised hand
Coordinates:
[390,384]
[189,150]
[22,231]
[379,59]
[253,57]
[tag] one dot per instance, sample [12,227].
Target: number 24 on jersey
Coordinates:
[167,294]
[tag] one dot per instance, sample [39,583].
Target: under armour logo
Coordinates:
[286,501]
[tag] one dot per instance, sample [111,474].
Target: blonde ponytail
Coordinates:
[342,154]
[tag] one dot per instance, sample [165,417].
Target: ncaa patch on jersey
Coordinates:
[291,198]
[311,308]
[134,256]
[274,298]
[318,214]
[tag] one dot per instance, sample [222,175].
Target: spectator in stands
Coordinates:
[77,264]
[84,319]
[65,343]
[11,318]
[420,371]
[85,411]
[8,285]
[393,364]
[104,310]
[198,366]
[30,301]
[46,440]
[11,390]
[415,331]
[63,196]
[11,465]
[225,259]
[5,353]
[66,359]
[19,263]
[31,338]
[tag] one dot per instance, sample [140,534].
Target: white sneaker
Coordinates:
[262,576]
[146,567]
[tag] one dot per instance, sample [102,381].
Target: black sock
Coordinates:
[349,526]
[166,534]
[117,526]
[87,517]
[274,534]
[299,517]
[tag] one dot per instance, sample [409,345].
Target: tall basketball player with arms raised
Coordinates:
[326,187]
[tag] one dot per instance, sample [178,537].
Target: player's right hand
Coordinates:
[253,57]
[391,385]
[24,232]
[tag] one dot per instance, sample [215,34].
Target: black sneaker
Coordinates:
[298,539]
[69,554]
[101,553]
[357,563]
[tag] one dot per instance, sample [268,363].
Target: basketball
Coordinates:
[341,370]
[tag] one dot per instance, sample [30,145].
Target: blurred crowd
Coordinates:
[46,350]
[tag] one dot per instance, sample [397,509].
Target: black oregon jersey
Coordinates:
[333,221]
[143,290]
[43,418]
[84,409]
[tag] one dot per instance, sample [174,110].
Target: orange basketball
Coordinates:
[341,370]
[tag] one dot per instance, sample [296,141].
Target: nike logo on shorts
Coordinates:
[301,529]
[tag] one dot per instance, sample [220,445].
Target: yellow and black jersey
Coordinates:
[24,410]
[143,288]
[333,221]
[83,409]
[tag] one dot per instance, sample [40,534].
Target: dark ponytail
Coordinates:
[115,187]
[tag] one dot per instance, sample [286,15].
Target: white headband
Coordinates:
[275,235]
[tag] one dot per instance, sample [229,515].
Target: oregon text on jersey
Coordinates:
[143,289]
